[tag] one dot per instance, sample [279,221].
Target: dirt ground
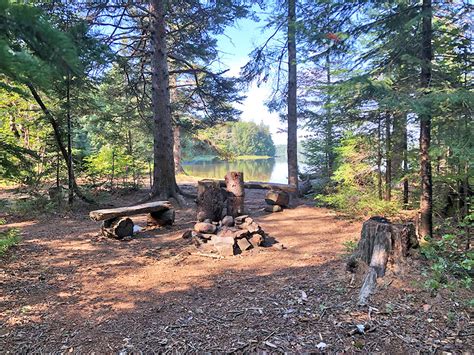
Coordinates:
[67,289]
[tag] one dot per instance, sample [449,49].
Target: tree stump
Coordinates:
[210,202]
[382,242]
[235,193]
[161,218]
[117,228]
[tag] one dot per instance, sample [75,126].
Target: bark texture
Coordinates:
[388,158]
[426,202]
[292,118]
[234,181]
[117,228]
[210,202]
[164,182]
[382,243]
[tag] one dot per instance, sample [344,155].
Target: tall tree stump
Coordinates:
[234,181]
[210,202]
[382,242]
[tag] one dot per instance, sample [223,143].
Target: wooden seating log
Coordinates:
[100,215]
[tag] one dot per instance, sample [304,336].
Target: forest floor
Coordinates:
[64,288]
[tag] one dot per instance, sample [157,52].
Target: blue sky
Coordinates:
[235,46]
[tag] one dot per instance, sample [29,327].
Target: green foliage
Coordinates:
[110,162]
[235,139]
[8,239]
[355,192]
[350,246]
[32,206]
[447,258]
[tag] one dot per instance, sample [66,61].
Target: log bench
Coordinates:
[117,224]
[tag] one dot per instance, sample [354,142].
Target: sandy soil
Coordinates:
[67,289]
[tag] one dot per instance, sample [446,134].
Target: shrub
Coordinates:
[447,258]
[8,239]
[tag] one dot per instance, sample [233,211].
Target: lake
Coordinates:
[267,170]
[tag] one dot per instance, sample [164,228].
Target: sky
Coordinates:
[235,46]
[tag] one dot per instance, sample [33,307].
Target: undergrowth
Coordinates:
[355,202]
[8,239]
[451,264]
[38,204]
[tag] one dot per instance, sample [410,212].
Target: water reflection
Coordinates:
[273,170]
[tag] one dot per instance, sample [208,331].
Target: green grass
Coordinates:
[8,239]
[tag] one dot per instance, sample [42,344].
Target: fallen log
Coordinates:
[100,215]
[382,243]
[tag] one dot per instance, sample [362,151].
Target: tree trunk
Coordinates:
[292,118]
[426,202]
[405,159]
[113,170]
[57,136]
[379,159]
[235,193]
[70,168]
[57,169]
[388,158]
[210,202]
[164,181]
[329,134]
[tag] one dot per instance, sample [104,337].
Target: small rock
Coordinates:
[256,240]
[277,197]
[207,220]
[223,245]
[243,244]
[252,227]
[226,232]
[204,227]
[321,345]
[274,208]
[227,221]
[278,246]
[241,233]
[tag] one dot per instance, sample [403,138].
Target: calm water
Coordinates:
[272,170]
